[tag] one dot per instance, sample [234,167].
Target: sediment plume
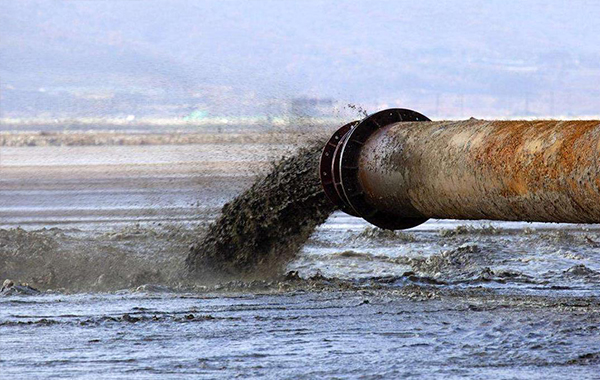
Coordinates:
[73,260]
[263,228]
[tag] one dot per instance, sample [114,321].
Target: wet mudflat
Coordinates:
[449,298]
[357,333]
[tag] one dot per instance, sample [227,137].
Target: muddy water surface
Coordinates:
[448,298]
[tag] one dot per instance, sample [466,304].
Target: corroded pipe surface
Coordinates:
[400,174]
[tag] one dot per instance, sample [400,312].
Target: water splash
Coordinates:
[262,229]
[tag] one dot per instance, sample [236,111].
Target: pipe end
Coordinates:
[339,168]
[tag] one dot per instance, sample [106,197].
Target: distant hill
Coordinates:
[440,57]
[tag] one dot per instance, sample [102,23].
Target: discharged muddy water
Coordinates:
[105,243]
[262,229]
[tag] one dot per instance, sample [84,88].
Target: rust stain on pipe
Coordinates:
[547,171]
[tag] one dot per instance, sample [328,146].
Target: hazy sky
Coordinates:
[512,56]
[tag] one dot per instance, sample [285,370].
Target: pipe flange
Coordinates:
[329,176]
[351,193]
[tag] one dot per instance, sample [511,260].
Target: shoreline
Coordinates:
[133,138]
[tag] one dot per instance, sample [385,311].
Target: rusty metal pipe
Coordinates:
[396,169]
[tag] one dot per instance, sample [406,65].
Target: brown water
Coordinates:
[261,230]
